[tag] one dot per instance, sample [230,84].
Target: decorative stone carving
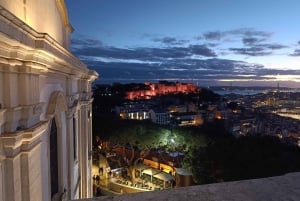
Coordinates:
[72,100]
[85,96]
[37,109]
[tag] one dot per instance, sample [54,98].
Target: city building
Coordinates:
[133,110]
[159,116]
[187,119]
[45,105]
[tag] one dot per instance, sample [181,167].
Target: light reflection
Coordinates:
[295,78]
[264,78]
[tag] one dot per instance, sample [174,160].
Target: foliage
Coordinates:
[228,159]
[145,134]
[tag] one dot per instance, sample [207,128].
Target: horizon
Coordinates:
[209,42]
[230,86]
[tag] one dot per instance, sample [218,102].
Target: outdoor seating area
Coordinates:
[156,177]
[130,187]
[139,184]
[150,179]
[146,178]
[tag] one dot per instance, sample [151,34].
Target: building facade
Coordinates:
[45,105]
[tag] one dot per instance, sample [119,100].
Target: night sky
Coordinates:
[208,42]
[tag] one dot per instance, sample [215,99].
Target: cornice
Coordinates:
[25,44]
[64,14]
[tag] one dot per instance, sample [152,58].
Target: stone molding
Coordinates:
[20,141]
[2,115]
[72,100]
[57,102]
[42,43]
[63,12]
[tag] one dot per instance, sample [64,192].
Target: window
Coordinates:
[53,159]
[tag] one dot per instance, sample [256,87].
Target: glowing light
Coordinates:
[265,78]
[295,78]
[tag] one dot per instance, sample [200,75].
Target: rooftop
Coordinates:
[286,187]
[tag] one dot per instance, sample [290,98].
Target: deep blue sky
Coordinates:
[209,42]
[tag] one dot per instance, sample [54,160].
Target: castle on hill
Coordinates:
[149,89]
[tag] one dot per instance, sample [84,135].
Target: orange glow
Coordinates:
[218,115]
[161,89]
[164,167]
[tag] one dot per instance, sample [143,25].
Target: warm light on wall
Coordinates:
[161,88]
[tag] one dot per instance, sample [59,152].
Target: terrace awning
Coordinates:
[151,171]
[164,176]
[141,167]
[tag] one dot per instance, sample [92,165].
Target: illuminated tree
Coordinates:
[137,138]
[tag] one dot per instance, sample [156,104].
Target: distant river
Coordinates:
[240,92]
[251,91]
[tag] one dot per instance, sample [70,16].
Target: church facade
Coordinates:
[45,105]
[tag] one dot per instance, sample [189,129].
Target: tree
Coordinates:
[229,159]
[137,138]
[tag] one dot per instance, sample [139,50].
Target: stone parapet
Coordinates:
[286,187]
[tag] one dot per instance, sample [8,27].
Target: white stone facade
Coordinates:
[45,105]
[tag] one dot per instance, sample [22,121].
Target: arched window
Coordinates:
[53,159]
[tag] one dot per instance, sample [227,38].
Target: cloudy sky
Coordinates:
[209,42]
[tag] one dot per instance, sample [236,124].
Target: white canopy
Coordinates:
[164,176]
[151,171]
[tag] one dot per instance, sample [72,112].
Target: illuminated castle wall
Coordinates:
[45,105]
[161,88]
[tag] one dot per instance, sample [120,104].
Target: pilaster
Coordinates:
[30,174]
[2,185]
[21,158]
[13,179]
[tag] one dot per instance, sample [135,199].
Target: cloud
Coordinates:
[82,41]
[273,46]
[250,32]
[170,41]
[199,37]
[249,41]
[166,40]
[202,50]
[249,35]
[185,69]
[296,53]
[179,60]
[213,35]
[205,72]
[252,51]
[83,48]
[253,42]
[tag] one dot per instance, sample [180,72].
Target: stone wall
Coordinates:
[285,187]
[45,105]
